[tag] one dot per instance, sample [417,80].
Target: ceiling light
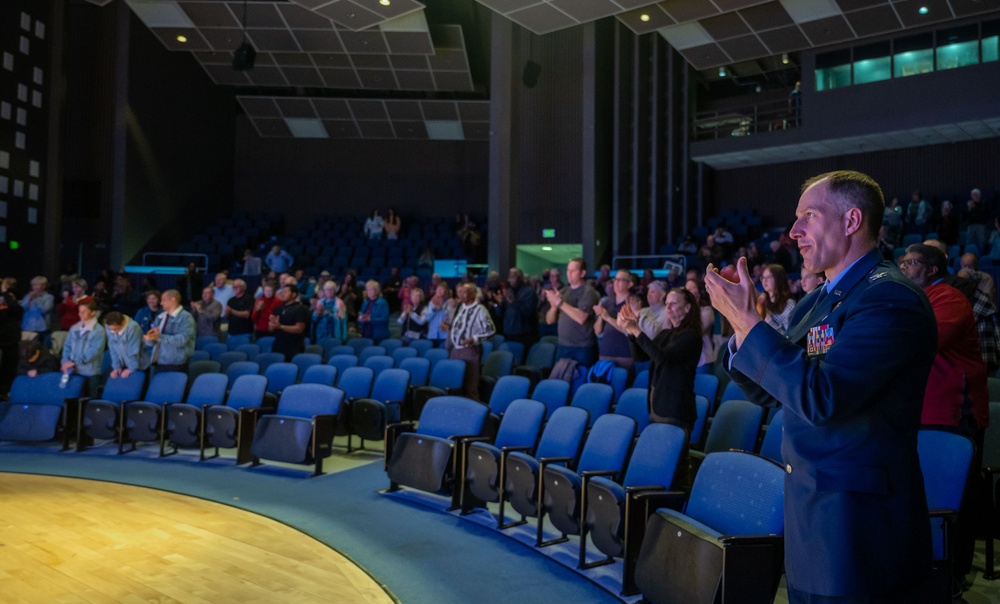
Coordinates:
[182,38]
[923,10]
[384,2]
[644,17]
[546,248]
[722,72]
[784,58]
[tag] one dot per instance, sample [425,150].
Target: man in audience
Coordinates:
[651,318]
[613,343]
[207,314]
[983,281]
[518,309]
[469,327]
[172,336]
[290,323]
[251,264]
[432,288]
[391,290]
[850,375]
[222,291]
[36,360]
[436,314]
[190,284]
[977,216]
[128,352]
[811,281]
[239,308]
[573,309]
[983,307]
[957,397]
[278,260]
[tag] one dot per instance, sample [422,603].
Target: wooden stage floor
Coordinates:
[74,540]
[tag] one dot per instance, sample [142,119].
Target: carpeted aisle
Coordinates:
[420,555]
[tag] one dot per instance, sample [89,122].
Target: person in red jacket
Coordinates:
[956,396]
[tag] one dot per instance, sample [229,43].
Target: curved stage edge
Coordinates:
[417,555]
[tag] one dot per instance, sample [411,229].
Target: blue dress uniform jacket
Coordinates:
[851,376]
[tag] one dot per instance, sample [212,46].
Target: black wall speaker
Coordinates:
[243,57]
[531,72]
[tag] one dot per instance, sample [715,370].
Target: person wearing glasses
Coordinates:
[612,341]
[850,375]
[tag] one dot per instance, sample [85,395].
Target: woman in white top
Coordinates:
[697,289]
[776,304]
[374,226]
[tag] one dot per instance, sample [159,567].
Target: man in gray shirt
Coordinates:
[573,307]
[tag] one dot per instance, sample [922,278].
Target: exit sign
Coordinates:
[548,233]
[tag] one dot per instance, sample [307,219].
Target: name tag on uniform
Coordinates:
[819,340]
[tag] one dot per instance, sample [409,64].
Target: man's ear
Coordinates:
[853,219]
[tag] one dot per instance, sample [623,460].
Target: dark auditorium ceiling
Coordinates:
[405,49]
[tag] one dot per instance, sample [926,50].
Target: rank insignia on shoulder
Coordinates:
[878,275]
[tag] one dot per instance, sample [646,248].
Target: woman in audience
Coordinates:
[329,314]
[674,354]
[348,293]
[392,224]
[262,308]
[373,319]
[776,304]
[707,316]
[412,318]
[66,310]
[374,225]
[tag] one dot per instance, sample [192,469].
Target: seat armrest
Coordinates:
[946,513]
[592,473]
[752,539]
[673,500]
[546,461]
[651,488]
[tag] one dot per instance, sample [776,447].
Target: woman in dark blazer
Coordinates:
[674,354]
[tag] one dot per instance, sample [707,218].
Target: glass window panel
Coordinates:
[872,70]
[959,54]
[913,62]
[991,48]
[833,77]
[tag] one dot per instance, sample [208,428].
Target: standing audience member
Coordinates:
[850,375]
[207,314]
[290,323]
[128,351]
[948,225]
[10,334]
[124,298]
[776,304]
[190,285]
[172,336]
[412,318]
[697,289]
[148,313]
[651,318]
[239,309]
[83,351]
[66,310]
[392,290]
[251,264]
[38,305]
[374,226]
[436,314]
[278,260]
[612,342]
[36,360]
[518,309]
[263,309]
[373,319]
[392,225]
[983,281]
[674,354]
[349,294]
[330,314]
[977,216]
[957,397]
[222,291]
[573,308]
[469,327]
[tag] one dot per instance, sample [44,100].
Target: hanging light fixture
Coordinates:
[245,55]
[722,71]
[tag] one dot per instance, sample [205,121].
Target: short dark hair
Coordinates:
[931,255]
[292,288]
[581,262]
[114,318]
[852,189]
